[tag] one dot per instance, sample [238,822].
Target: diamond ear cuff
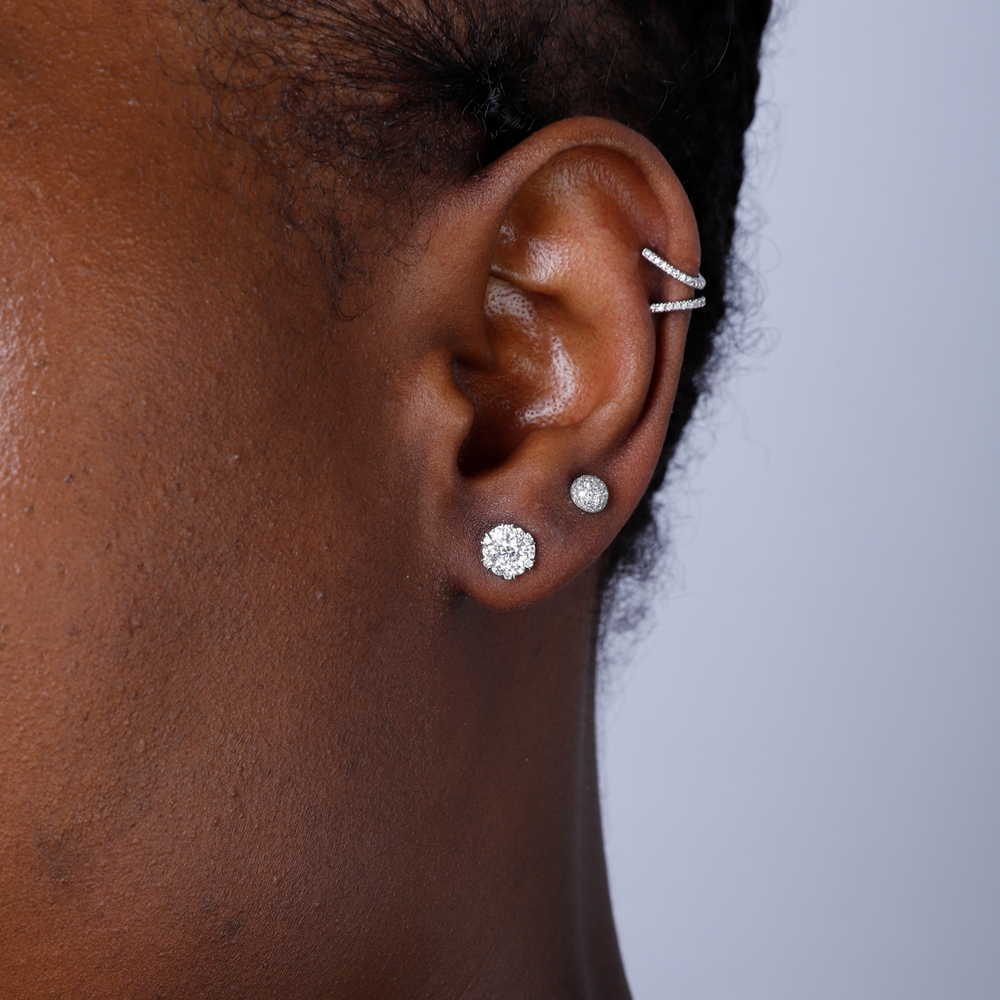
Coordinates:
[589,493]
[697,283]
[508,551]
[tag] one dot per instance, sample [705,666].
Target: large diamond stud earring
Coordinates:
[589,493]
[508,551]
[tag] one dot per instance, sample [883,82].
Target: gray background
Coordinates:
[801,764]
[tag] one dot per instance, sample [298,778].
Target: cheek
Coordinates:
[173,550]
[187,521]
[160,452]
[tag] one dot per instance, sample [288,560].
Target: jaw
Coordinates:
[391,811]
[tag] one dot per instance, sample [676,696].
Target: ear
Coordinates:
[552,365]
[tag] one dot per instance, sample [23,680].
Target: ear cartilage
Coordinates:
[589,493]
[508,551]
[696,282]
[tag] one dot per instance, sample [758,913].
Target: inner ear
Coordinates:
[545,308]
[533,378]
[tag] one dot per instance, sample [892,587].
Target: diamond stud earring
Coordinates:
[508,551]
[697,282]
[589,493]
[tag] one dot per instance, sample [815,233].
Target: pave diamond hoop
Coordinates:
[678,306]
[589,493]
[697,282]
[508,551]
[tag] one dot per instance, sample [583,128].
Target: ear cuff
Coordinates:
[697,283]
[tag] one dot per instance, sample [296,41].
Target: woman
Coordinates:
[312,314]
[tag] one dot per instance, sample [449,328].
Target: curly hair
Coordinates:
[349,98]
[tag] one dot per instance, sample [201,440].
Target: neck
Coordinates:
[525,814]
[387,814]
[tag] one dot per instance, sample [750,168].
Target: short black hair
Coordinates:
[349,97]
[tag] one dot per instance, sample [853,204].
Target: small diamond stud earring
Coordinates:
[508,551]
[589,493]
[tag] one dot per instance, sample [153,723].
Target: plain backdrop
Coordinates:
[801,762]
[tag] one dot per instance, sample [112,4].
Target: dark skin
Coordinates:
[269,727]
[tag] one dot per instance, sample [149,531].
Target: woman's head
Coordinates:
[296,301]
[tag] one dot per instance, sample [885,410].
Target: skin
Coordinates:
[269,728]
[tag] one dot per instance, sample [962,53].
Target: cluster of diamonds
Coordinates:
[589,493]
[508,551]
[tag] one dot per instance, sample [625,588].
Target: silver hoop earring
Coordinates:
[696,282]
[508,551]
[589,493]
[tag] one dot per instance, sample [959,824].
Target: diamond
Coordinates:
[589,493]
[508,551]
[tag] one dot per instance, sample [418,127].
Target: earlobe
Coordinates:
[569,369]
